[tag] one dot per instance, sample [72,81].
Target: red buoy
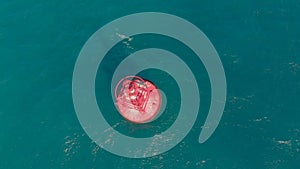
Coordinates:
[138,100]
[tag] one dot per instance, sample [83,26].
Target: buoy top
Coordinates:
[138,100]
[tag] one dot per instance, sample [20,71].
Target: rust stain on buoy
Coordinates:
[138,100]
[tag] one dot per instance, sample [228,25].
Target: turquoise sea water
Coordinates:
[258,43]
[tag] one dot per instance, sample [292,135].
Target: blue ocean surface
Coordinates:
[258,43]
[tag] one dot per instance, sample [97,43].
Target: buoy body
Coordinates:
[138,100]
